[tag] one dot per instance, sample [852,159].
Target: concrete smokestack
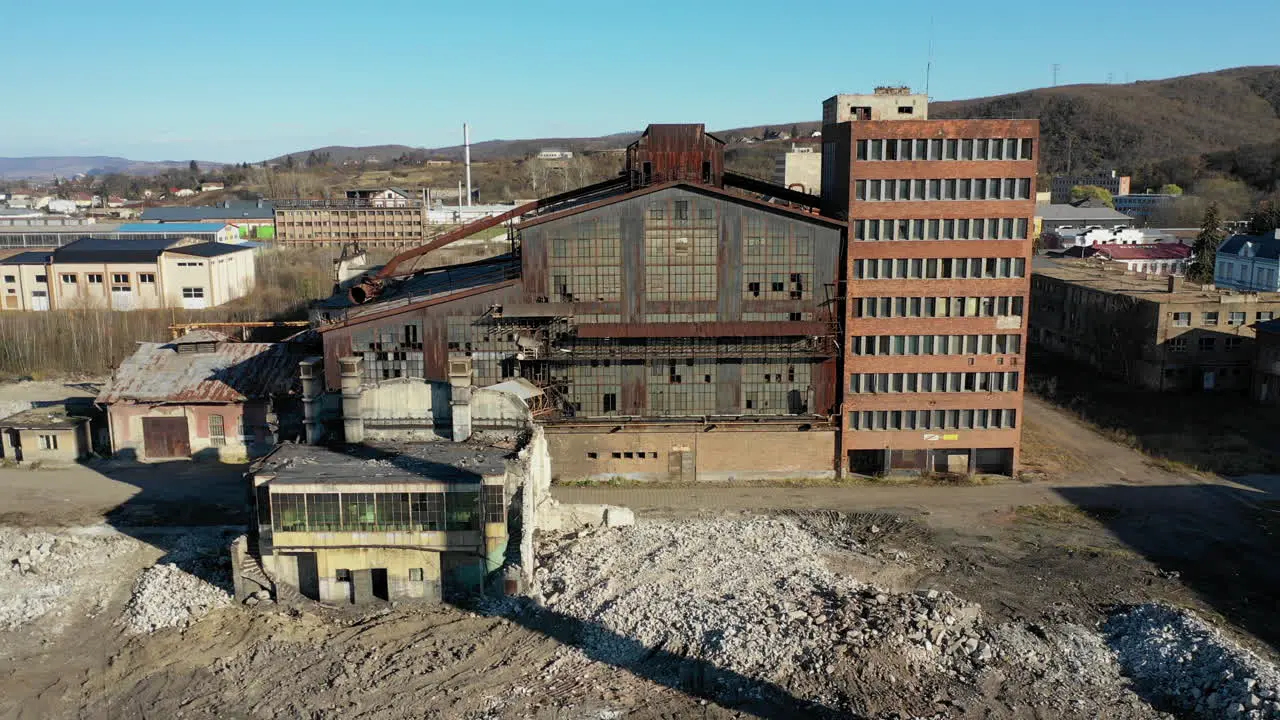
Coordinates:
[466,158]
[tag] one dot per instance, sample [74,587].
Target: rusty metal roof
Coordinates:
[232,372]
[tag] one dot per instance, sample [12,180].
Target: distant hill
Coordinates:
[1136,125]
[1160,130]
[47,168]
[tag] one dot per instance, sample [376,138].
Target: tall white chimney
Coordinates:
[466,158]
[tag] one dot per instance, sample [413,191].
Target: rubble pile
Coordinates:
[751,596]
[1178,660]
[166,596]
[42,571]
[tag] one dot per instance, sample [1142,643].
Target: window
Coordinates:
[120,278]
[342,575]
[217,431]
[1178,344]
[428,511]
[93,278]
[462,511]
[392,511]
[494,503]
[1207,344]
[610,402]
[69,278]
[1182,319]
[10,278]
[192,293]
[1209,318]
[42,278]
[147,278]
[905,110]
[415,574]
[1262,316]
[1233,343]
[1235,318]
[48,442]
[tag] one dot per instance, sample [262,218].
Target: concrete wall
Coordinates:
[25,445]
[83,294]
[687,455]
[405,409]
[314,573]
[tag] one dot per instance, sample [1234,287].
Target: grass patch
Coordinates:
[1053,514]
[1097,551]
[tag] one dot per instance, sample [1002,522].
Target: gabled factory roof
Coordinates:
[230,372]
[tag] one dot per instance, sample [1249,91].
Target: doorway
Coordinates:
[165,437]
[381,588]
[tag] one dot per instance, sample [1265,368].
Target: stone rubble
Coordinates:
[1177,659]
[751,596]
[166,596]
[43,572]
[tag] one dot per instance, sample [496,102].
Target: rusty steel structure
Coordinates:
[674,290]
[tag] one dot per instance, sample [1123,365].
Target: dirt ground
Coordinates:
[1106,527]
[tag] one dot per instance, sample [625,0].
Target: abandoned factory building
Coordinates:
[683,322]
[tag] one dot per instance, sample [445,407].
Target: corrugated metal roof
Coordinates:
[43,418]
[234,372]
[177,227]
[1154,251]
[1057,213]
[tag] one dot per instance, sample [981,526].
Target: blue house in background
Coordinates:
[1249,262]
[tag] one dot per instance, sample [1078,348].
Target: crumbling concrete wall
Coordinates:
[405,409]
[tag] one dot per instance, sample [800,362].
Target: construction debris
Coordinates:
[166,596]
[1180,661]
[43,571]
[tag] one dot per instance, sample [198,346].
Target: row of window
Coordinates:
[96,278]
[872,345]
[1231,271]
[387,512]
[933,419]
[942,382]
[1210,319]
[937,307]
[941,229]
[942,189]
[1206,344]
[938,268]
[946,149]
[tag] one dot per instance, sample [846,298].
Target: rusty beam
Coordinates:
[761,187]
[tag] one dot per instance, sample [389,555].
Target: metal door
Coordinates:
[166,437]
[39,300]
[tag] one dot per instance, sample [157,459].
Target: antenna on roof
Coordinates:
[928,66]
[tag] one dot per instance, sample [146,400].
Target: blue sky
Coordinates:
[241,81]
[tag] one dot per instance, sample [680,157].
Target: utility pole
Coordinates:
[466,158]
[1056,68]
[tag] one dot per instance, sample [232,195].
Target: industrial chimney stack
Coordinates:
[466,158]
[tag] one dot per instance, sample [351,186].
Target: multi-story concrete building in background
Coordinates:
[1060,188]
[1155,332]
[800,169]
[1144,207]
[372,222]
[937,266]
[127,274]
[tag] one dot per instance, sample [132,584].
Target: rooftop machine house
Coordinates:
[417,522]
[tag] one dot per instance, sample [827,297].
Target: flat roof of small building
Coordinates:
[436,462]
[174,227]
[54,417]
[1090,274]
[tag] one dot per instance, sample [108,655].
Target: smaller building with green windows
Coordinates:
[424,521]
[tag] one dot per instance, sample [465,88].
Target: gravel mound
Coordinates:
[751,596]
[1178,660]
[166,596]
[43,572]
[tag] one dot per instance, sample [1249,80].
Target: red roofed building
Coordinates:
[1154,259]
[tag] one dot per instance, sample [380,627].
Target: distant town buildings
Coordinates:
[1060,188]
[554,154]
[253,220]
[1158,333]
[127,274]
[1249,262]
[1144,207]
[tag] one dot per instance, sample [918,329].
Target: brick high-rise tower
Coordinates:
[937,277]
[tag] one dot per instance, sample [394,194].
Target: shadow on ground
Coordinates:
[1223,542]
